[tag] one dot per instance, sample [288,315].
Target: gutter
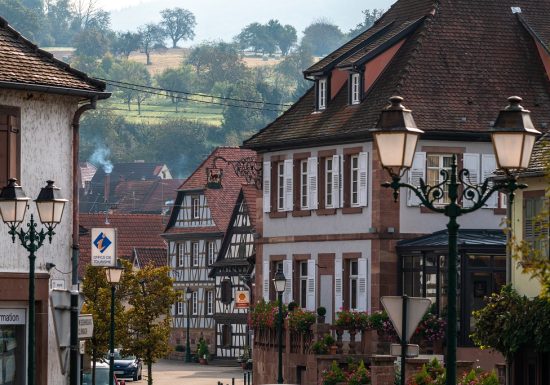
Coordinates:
[97,95]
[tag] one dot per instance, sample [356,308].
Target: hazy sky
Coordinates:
[223,19]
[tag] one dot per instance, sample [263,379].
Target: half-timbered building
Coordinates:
[197,225]
[233,272]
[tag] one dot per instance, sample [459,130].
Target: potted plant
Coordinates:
[330,342]
[243,358]
[333,375]
[202,352]
[321,312]
[292,306]
[319,347]
[301,320]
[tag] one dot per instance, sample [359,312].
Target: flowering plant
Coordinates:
[264,315]
[355,375]
[432,373]
[351,319]
[380,321]
[431,328]
[359,376]
[301,320]
[333,375]
[476,377]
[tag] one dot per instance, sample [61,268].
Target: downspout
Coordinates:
[74,353]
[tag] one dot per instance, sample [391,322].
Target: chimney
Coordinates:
[107,187]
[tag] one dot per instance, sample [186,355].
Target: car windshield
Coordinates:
[119,356]
[101,377]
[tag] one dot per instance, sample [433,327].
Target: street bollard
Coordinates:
[233,381]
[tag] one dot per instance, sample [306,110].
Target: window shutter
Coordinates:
[341,182]
[471,163]
[289,190]
[363,178]
[362,283]
[265,288]
[488,166]
[336,181]
[287,271]
[311,275]
[503,200]
[417,172]
[338,288]
[267,186]
[313,199]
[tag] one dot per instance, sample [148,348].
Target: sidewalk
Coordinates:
[167,372]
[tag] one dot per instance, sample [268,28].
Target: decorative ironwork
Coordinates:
[248,168]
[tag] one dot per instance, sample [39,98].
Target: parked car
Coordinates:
[101,375]
[127,366]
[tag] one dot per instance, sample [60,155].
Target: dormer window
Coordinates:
[355,88]
[322,94]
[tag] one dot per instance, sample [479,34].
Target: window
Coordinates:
[280,186]
[209,302]
[322,96]
[211,251]
[10,140]
[302,284]
[195,303]
[355,88]
[535,222]
[226,335]
[303,184]
[328,183]
[195,207]
[195,254]
[179,309]
[353,283]
[181,254]
[226,292]
[434,164]
[354,180]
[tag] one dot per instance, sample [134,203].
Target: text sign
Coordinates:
[242,299]
[58,284]
[12,316]
[85,326]
[103,246]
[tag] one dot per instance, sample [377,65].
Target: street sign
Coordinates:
[103,246]
[58,284]
[242,300]
[82,347]
[416,308]
[85,326]
[412,350]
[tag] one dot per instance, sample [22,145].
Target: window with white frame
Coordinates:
[195,303]
[328,183]
[322,95]
[355,88]
[211,252]
[209,302]
[179,308]
[354,180]
[181,254]
[195,254]
[434,164]
[353,283]
[303,184]
[302,300]
[195,207]
[280,186]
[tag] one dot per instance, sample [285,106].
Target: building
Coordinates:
[326,219]
[41,101]
[198,223]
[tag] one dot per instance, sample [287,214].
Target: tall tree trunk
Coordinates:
[148,54]
[149,370]
[139,105]
[174,43]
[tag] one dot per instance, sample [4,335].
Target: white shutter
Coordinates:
[417,172]
[265,288]
[503,200]
[313,199]
[267,186]
[336,181]
[362,284]
[338,284]
[363,174]
[471,163]
[311,275]
[488,166]
[289,189]
[341,182]
[287,271]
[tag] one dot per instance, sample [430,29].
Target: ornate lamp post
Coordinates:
[13,206]
[113,277]
[279,281]
[188,296]
[513,137]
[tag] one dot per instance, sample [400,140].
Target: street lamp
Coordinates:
[13,206]
[188,296]
[279,281]
[113,274]
[513,136]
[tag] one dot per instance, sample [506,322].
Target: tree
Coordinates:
[290,71]
[125,43]
[25,20]
[258,37]
[178,24]
[92,43]
[87,14]
[176,80]
[284,36]
[323,37]
[151,296]
[370,16]
[59,19]
[150,35]
[133,73]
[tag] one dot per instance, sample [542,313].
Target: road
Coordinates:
[167,372]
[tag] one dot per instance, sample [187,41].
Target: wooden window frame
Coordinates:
[323,156]
[347,208]
[355,90]
[274,260]
[535,195]
[209,302]
[194,254]
[280,172]
[211,252]
[346,263]
[322,94]
[195,207]
[195,303]
[181,254]
[179,308]
[354,180]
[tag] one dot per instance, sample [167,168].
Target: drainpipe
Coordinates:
[74,353]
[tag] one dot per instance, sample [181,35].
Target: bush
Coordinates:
[264,315]
[319,347]
[292,306]
[202,349]
[321,311]
[301,320]
[329,340]
[333,375]
[359,376]
[350,319]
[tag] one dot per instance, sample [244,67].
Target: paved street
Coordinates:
[167,372]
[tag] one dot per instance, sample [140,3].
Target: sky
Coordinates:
[223,19]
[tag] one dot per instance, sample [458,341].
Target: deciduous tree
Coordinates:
[178,24]
[150,35]
[323,37]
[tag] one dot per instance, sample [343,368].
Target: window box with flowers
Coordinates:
[352,320]
[264,315]
[301,320]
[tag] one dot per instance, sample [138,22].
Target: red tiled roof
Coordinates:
[134,230]
[149,256]
[455,72]
[23,62]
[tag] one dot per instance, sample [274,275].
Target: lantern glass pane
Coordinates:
[528,143]
[391,147]
[279,285]
[58,211]
[508,148]
[113,274]
[13,210]
[410,148]
[45,211]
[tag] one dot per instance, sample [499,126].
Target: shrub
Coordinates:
[329,340]
[333,375]
[350,319]
[359,376]
[431,328]
[264,315]
[292,306]
[477,377]
[300,320]
[321,311]
[202,349]
[319,347]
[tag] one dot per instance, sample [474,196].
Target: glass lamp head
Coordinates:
[188,293]
[50,205]
[113,274]
[13,203]
[279,281]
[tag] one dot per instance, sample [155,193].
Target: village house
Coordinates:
[337,235]
[41,101]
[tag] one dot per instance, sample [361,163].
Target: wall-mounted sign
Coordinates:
[13,316]
[57,284]
[103,246]
[242,299]
[85,326]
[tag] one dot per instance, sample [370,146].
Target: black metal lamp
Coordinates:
[113,273]
[13,203]
[279,281]
[50,205]
[188,296]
